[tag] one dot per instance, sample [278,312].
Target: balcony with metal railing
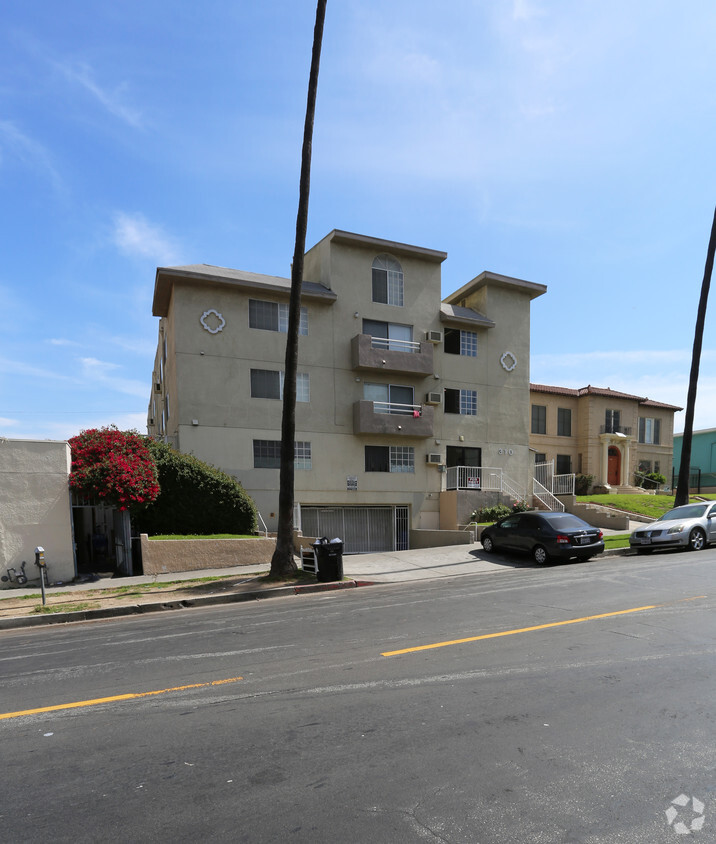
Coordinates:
[382,417]
[485,478]
[387,355]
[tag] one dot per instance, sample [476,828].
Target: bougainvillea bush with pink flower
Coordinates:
[114,466]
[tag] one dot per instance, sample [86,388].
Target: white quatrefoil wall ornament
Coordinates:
[212,321]
[508,361]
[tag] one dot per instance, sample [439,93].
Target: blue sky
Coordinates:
[569,144]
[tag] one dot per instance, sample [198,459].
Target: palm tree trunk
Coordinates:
[682,488]
[282,562]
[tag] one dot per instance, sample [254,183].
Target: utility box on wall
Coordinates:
[35,509]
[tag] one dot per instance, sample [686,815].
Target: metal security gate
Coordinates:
[364,530]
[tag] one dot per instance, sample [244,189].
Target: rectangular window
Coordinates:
[540,458]
[268,384]
[611,422]
[461,401]
[563,465]
[273,316]
[393,458]
[649,431]
[387,287]
[458,455]
[459,342]
[302,456]
[390,398]
[267,454]
[390,335]
[539,419]
[564,422]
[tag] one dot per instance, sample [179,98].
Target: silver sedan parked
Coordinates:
[690,526]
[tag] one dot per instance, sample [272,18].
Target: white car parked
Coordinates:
[690,526]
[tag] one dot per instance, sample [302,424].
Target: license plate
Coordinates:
[584,540]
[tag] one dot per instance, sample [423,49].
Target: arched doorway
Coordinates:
[614,465]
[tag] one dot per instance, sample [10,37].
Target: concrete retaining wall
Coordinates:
[598,517]
[160,556]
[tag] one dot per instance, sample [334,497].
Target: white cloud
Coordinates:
[101,372]
[60,341]
[82,74]
[136,236]
[21,147]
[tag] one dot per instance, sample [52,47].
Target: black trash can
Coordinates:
[329,560]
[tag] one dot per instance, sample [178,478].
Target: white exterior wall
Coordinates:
[35,507]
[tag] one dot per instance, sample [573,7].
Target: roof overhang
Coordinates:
[206,274]
[486,278]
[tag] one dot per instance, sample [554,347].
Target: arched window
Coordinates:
[387,281]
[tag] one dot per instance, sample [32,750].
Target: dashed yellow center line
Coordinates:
[114,699]
[529,629]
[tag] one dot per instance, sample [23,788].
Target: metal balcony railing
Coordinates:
[398,409]
[615,429]
[385,343]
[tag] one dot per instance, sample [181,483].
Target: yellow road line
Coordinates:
[80,703]
[528,629]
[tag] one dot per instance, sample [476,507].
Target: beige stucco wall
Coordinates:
[35,507]
[588,447]
[208,379]
[168,555]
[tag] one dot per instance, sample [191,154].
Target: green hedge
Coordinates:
[194,498]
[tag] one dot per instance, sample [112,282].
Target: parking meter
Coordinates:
[40,563]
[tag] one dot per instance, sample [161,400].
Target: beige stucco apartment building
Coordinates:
[395,385]
[601,432]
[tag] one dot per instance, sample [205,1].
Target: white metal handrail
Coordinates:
[545,496]
[483,478]
[394,345]
[563,484]
[397,408]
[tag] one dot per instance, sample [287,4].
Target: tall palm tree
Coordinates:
[682,488]
[282,562]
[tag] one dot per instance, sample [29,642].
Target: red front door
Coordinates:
[614,466]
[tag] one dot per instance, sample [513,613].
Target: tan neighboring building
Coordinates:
[601,432]
[396,388]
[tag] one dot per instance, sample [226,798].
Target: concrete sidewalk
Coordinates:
[17,605]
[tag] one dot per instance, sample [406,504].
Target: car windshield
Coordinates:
[688,511]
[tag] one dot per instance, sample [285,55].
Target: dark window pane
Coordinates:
[267,454]
[380,286]
[452,341]
[539,419]
[452,401]
[263,315]
[265,384]
[377,458]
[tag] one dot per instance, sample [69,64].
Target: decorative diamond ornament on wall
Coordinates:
[508,361]
[212,321]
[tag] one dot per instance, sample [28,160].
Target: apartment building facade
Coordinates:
[395,385]
[601,432]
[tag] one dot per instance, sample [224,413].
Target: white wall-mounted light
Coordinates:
[194,421]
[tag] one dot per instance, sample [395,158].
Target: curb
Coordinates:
[13,622]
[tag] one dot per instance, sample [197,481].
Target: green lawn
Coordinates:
[652,506]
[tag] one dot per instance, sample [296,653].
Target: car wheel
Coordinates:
[539,555]
[697,539]
[487,544]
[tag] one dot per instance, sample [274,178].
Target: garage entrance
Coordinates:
[364,530]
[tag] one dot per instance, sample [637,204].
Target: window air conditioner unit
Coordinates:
[433,398]
[434,336]
[433,459]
